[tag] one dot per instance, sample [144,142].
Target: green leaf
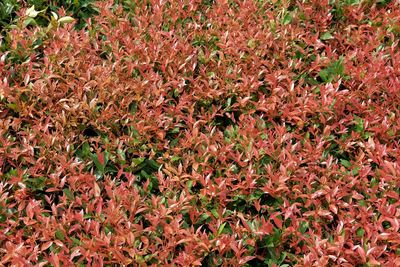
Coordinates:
[152,164]
[272,241]
[84,152]
[121,153]
[29,21]
[252,43]
[382,3]
[214,212]
[324,75]
[256,195]
[374,182]
[359,124]
[175,158]
[87,216]
[76,241]
[138,161]
[3,218]
[287,19]
[60,235]
[190,185]
[13,106]
[360,232]
[66,19]
[221,228]
[111,168]
[333,71]
[69,194]
[362,203]
[133,107]
[175,130]
[99,166]
[326,36]
[303,227]
[345,163]
[144,174]
[203,218]
[229,102]
[35,183]
[108,230]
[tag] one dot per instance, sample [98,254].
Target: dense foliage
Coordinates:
[82,9]
[201,133]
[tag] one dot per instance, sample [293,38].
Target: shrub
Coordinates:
[235,133]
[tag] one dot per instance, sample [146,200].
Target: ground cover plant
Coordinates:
[200,133]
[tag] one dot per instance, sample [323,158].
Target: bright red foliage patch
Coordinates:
[254,133]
